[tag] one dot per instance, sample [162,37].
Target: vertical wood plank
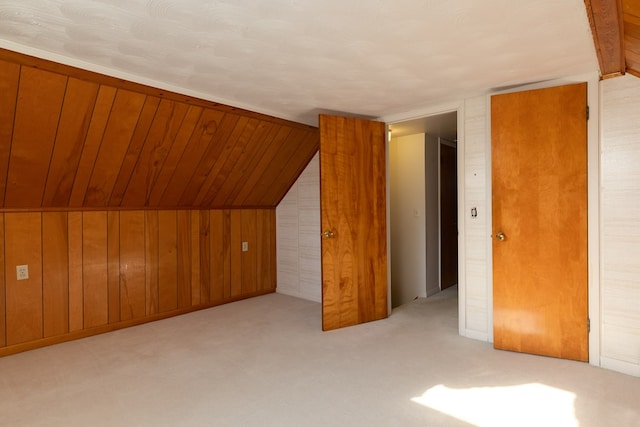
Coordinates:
[24,298]
[236,252]
[75,118]
[167,261]
[183,231]
[217,246]
[40,96]
[159,141]
[135,147]
[152,262]
[55,273]
[115,142]
[193,154]
[113,260]
[194,239]
[178,149]
[3,291]
[94,269]
[205,256]
[99,119]
[226,245]
[75,271]
[132,265]
[249,258]
[273,251]
[9,78]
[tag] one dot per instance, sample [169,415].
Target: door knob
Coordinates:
[327,234]
[500,236]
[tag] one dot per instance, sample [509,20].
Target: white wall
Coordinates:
[298,237]
[407,218]
[620,224]
[432,190]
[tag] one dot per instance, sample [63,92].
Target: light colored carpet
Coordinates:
[265,362]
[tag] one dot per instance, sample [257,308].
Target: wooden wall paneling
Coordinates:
[183,232]
[273,252]
[181,140]
[23,237]
[95,269]
[40,96]
[3,293]
[132,268]
[167,261]
[9,79]
[163,131]
[247,164]
[281,180]
[113,260]
[236,252]
[79,100]
[123,119]
[264,233]
[255,174]
[204,240]
[76,299]
[234,165]
[222,133]
[250,257]
[226,158]
[135,147]
[152,262]
[99,119]
[199,143]
[217,256]
[194,240]
[55,273]
[263,192]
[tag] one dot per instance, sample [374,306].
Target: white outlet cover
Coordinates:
[22,272]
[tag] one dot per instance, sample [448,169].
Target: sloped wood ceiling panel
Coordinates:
[631,16]
[74,139]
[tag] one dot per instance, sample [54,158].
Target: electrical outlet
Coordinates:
[22,272]
[245,246]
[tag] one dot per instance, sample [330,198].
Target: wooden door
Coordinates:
[353,216]
[448,216]
[539,193]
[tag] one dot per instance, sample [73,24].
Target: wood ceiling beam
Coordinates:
[607,28]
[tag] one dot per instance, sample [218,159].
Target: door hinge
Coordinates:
[588,325]
[587,112]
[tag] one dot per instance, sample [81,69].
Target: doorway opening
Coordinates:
[423,207]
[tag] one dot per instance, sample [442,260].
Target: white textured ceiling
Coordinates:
[295,58]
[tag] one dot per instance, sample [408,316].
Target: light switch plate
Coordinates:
[245,246]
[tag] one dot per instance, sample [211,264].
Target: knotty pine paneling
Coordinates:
[95,271]
[103,143]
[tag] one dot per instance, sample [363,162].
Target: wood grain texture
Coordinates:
[204,243]
[55,273]
[113,260]
[120,145]
[24,297]
[539,198]
[79,100]
[183,241]
[605,18]
[248,233]
[194,255]
[167,261]
[235,252]
[132,265]
[3,290]
[631,23]
[76,298]
[95,269]
[40,99]
[353,207]
[152,261]
[9,79]
[220,260]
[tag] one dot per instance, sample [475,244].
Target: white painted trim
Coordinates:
[423,112]
[489,220]
[50,56]
[388,219]
[620,366]
[462,289]
[480,336]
